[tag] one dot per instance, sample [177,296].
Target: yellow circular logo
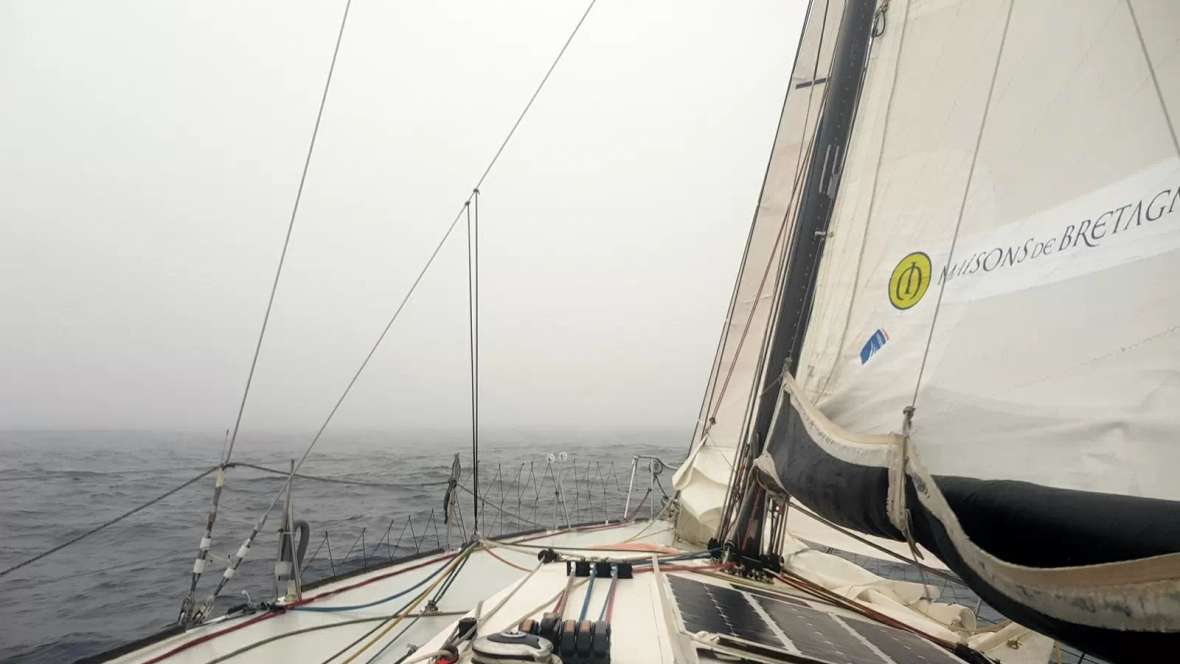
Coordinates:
[909,280]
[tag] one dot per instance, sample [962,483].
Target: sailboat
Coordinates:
[954,344]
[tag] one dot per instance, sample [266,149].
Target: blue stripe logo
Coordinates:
[873,345]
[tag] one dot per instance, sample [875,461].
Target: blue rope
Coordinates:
[353,607]
[589,593]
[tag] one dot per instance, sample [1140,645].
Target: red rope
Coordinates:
[271,614]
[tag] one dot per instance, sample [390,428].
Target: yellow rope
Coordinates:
[395,620]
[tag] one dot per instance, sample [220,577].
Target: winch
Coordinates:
[513,646]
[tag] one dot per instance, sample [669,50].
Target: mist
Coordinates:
[150,153]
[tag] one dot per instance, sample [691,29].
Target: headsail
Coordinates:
[737,368]
[991,357]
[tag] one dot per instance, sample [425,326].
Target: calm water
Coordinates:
[129,579]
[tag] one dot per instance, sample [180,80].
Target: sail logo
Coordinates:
[874,344]
[910,280]
[1128,221]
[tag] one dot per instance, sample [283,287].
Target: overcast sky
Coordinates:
[150,151]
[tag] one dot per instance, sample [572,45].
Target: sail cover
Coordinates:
[990,362]
[702,481]
[991,365]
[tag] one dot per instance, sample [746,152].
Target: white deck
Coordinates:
[483,577]
[644,625]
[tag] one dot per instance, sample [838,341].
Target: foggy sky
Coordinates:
[150,151]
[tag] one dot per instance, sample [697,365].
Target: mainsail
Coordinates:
[983,356]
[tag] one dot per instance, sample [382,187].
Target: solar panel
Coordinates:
[718,610]
[902,646]
[775,596]
[819,635]
[788,625]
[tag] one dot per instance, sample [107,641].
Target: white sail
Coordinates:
[1031,228]
[703,479]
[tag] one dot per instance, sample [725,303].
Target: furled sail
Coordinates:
[989,362]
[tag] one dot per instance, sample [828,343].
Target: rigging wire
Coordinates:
[244,550]
[188,607]
[963,203]
[473,342]
[105,524]
[290,227]
[333,480]
[803,156]
[502,510]
[799,161]
[536,93]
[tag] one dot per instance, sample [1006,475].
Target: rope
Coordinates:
[305,630]
[607,606]
[431,605]
[849,533]
[382,600]
[394,620]
[830,597]
[105,524]
[589,594]
[733,490]
[506,562]
[383,631]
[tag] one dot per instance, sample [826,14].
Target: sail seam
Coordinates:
[1155,81]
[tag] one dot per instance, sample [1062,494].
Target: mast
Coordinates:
[813,216]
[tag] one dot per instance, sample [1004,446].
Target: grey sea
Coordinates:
[128,580]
